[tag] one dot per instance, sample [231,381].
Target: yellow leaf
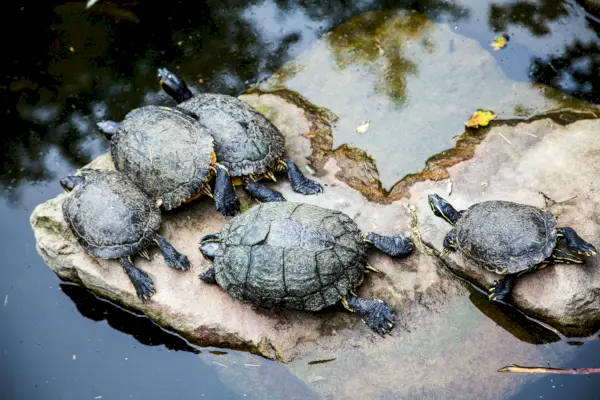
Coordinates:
[362,128]
[499,42]
[480,118]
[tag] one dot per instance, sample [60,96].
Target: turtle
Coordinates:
[507,238]
[170,156]
[246,142]
[286,255]
[112,218]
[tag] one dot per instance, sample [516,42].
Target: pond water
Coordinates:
[67,68]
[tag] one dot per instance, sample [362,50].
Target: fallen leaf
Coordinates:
[90,3]
[480,118]
[499,42]
[362,128]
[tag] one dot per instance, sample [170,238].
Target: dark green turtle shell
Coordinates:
[110,216]
[290,255]
[505,237]
[165,152]
[246,142]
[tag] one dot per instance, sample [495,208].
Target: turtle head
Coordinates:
[68,183]
[173,85]
[108,128]
[209,245]
[443,209]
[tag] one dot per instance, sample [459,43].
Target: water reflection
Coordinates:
[534,16]
[575,71]
[511,320]
[141,328]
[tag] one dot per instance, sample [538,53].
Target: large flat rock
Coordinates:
[206,314]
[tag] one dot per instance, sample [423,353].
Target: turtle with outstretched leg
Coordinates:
[112,218]
[246,142]
[507,238]
[171,157]
[301,257]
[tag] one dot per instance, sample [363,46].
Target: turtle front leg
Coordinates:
[300,183]
[377,314]
[144,287]
[500,290]
[575,243]
[449,245]
[226,200]
[394,246]
[261,192]
[209,276]
[173,258]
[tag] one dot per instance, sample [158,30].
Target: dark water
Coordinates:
[65,68]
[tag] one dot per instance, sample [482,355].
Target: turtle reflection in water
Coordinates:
[301,257]
[507,238]
[112,218]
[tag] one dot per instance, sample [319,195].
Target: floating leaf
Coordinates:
[499,42]
[480,118]
[362,128]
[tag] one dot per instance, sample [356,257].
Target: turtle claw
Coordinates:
[300,183]
[375,313]
[499,290]
[575,243]
[144,287]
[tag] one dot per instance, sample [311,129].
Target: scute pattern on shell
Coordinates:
[505,237]
[110,216]
[290,255]
[246,142]
[165,152]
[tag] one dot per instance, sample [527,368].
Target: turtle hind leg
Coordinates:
[300,183]
[377,314]
[173,258]
[209,276]
[261,192]
[144,287]
[395,246]
[575,243]
[226,200]
[500,290]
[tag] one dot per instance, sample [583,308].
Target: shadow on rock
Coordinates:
[513,321]
[141,328]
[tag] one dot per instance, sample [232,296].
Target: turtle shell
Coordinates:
[246,142]
[505,237]
[165,152]
[290,255]
[110,216]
